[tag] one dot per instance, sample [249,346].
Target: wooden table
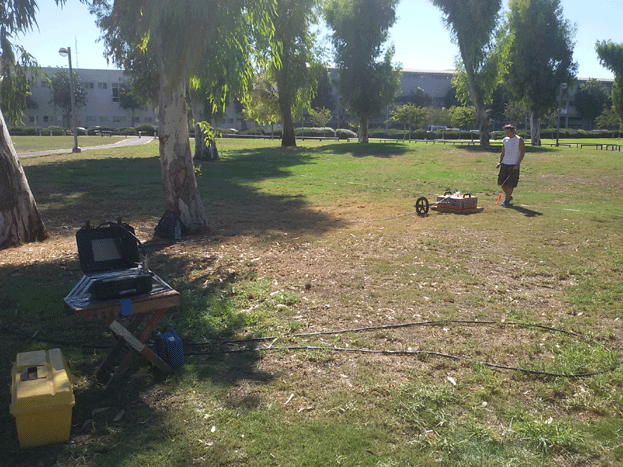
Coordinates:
[143,312]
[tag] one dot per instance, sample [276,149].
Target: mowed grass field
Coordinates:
[325,323]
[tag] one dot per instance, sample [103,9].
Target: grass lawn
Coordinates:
[26,144]
[325,323]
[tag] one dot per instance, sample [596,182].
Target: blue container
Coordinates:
[169,347]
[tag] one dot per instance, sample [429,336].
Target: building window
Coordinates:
[31,119]
[147,119]
[91,119]
[102,85]
[46,118]
[89,85]
[103,119]
[115,92]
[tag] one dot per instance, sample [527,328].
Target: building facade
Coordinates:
[102,107]
[101,89]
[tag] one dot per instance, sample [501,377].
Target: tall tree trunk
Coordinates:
[477,99]
[178,175]
[204,151]
[19,218]
[535,129]
[363,130]
[287,137]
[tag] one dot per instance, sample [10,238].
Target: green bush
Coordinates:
[343,133]
[146,129]
[386,134]
[314,132]
[22,131]
[129,131]
[56,131]
[253,131]
[96,130]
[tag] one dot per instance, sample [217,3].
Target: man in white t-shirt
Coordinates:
[513,152]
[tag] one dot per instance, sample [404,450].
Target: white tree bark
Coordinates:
[535,129]
[19,217]
[178,175]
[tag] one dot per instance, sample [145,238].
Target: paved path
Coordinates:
[129,141]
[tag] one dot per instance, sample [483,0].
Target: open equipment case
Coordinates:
[111,261]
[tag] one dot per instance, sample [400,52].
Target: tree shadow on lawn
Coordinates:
[71,192]
[373,149]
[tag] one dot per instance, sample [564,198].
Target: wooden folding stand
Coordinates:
[144,313]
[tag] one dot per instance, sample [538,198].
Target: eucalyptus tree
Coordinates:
[20,221]
[261,103]
[61,93]
[473,24]
[611,56]
[368,80]
[591,99]
[540,56]
[177,33]
[294,65]
[410,115]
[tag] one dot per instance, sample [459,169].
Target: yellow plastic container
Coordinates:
[42,398]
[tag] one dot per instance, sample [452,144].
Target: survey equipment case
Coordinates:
[109,254]
[42,397]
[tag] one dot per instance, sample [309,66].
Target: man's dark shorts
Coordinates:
[508,176]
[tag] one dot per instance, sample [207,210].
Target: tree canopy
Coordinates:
[473,23]
[61,92]
[368,80]
[590,100]
[611,56]
[540,56]
[294,66]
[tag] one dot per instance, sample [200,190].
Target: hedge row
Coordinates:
[145,129]
[299,132]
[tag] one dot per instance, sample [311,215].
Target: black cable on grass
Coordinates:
[402,352]
[360,350]
[412,353]
[387,326]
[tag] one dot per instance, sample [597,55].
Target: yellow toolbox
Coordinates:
[42,397]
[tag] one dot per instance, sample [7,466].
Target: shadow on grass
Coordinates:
[495,149]
[31,304]
[372,149]
[526,212]
[73,191]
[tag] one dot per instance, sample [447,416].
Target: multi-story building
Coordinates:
[103,109]
[101,88]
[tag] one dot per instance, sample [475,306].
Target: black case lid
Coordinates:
[108,247]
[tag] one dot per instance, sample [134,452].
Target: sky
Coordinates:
[420,37]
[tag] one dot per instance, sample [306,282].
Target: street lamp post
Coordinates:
[66,52]
[562,87]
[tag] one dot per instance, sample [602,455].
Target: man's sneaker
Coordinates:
[504,204]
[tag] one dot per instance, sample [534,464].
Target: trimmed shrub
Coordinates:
[22,131]
[343,133]
[253,131]
[56,131]
[129,131]
[146,129]
[314,132]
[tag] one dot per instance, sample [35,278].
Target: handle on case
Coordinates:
[172,330]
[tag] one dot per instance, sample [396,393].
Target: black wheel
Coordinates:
[421,206]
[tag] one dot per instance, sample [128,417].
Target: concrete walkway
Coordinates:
[129,141]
